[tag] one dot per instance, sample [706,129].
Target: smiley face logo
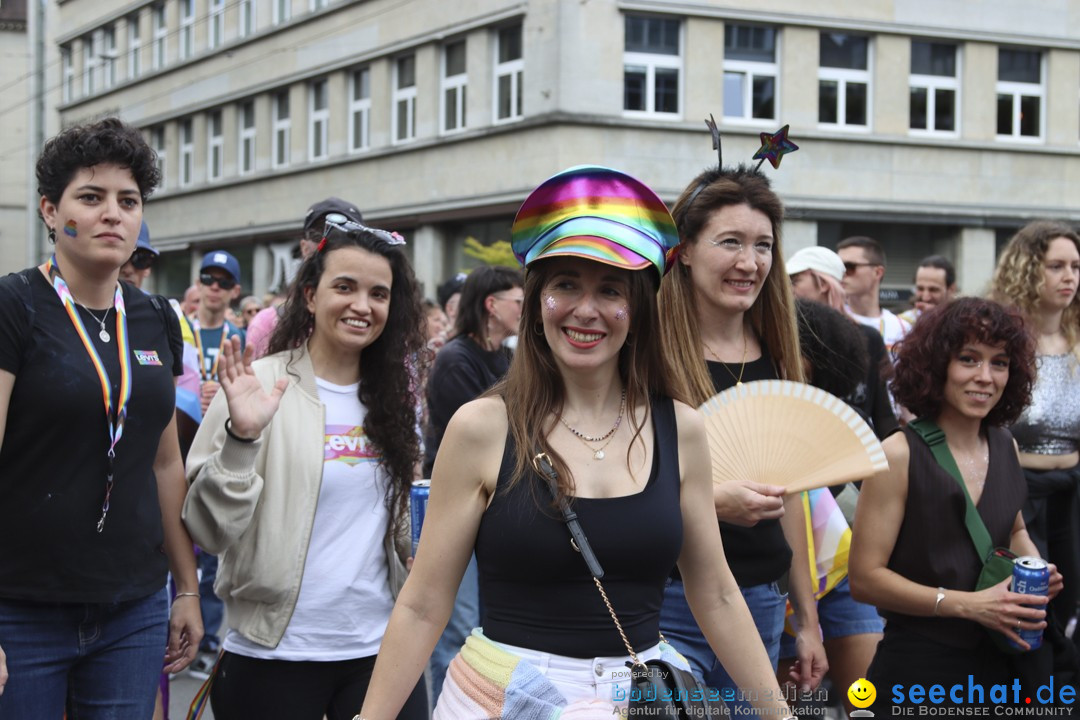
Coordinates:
[862,693]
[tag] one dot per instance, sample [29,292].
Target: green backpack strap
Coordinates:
[935,437]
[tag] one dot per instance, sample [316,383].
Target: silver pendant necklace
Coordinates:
[103,334]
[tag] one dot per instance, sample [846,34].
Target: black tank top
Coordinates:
[537,591]
[933,546]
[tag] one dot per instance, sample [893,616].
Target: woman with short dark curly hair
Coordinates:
[1039,274]
[967,367]
[300,477]
[91,479]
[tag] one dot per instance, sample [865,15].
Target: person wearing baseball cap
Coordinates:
[586,390]
[138,266]
[817,273]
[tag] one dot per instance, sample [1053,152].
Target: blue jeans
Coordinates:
[463,619]
[106,657]
[767,605]
[210,605]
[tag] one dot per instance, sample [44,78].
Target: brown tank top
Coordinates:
[933,546]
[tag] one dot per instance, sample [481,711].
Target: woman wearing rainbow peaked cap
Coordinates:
[586,389]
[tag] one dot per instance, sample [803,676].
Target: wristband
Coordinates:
[234,436]
[938,599]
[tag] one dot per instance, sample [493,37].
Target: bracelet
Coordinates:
[185,594]
[234,436]
[938,599]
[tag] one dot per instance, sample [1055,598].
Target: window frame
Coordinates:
[215,24]
[186,171]
[108,56]
[318,120]
[215,146]
[842,77]
[359,106]
[751,69]
[245,138]
[157,143]
[134,47]
[515,70]
[933,83]
[456,85]
[159,36]
[282,128]
[67,74]
[186,33]
[281,11]
[1018,90]
[406,96]
[653,62]
[91,62]
[247,12]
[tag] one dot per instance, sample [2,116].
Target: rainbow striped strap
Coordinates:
[115,414]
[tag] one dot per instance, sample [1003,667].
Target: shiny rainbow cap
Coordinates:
[599,214]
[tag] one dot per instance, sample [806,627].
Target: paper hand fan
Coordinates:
[787,433]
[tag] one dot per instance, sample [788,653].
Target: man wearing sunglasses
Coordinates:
[864,267]
[137,268]
[261,327]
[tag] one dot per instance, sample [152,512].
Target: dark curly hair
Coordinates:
[833,347]
[926,351]
[389,374]
[107,141]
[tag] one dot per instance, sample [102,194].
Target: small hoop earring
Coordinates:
[538,328]
[52,236]
[629,342]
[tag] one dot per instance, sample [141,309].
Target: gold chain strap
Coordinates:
[618,625]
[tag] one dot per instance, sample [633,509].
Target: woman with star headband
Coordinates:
[300,476]
[586,391]
[91,480]
[728,317]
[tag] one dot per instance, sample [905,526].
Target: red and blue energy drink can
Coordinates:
[1031,576]
[418,497]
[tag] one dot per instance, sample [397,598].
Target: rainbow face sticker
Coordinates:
[71,229]
[862,693]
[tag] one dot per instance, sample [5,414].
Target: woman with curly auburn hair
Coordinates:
[300,477]
[966,366]
[729,317]
[91,477]
[1039,273]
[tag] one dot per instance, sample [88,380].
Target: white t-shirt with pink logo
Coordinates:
[345,602]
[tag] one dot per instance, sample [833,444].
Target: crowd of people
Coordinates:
[233,494]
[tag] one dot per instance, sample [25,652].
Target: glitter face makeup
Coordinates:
[621,313]
[70,229]
[550,304]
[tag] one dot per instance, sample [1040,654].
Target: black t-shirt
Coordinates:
[53,459]
[758,554]
[462,372]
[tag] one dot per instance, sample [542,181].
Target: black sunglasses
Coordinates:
[225,283]
[141,259]
[850,268]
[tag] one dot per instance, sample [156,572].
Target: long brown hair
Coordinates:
[772,316]
[533,389]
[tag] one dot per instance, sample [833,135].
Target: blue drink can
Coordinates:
[1031,576]
[418,497]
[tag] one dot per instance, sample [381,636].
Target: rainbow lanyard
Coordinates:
[197,337]
[114,420]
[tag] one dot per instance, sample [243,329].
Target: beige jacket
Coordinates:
[254,503]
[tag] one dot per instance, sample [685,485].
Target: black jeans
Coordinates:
[247,688]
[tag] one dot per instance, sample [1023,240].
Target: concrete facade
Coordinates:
[951,191]
[15,171]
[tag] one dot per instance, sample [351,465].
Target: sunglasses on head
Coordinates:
[337,221]
[225,283]
[141,259]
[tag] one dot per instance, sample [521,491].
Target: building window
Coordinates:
[67,74]
[934,87]
[318,4]
[90,63]
[454,82]
[246,144]
[247,18]
[187,28]
[108,56]
[216,23]
[509,65]
[318,120]
[134,51]
[750,72]
[215,146]
[157,142]
[1020,94]
[359,109]
[404,101]
[187,152]
[282,11]
[652,64]
[844,80]
[161,35]
[282,126]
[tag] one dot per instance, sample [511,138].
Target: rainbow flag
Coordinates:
[187,385]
